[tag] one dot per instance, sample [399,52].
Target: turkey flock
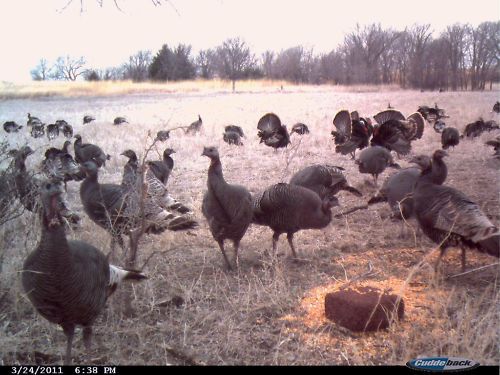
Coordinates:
[69,281]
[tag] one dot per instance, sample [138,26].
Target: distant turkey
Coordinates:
[88,119]
[89,152]
[120,120]
[162,135]
[194,127]
[272,132]
[300,129]
[37,130]
[60,165]
[325,180]
[33,120]
[496,107]
[11,127]
[352,132]
[432,114]
[232,138]
[227,207]
[396,133]
[374,160]
[450,137]
[65,128]
[289,208]
[163,168]
[449,218]
[439,126]
[495,143]
[475,129]
[236,129]
[52,131]
[68,282]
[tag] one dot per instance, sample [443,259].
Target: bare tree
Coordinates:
[42,71]
[137,67]
[206,63]
[234,59]
[455,39]
[420,37]
[484,53]
[69,68]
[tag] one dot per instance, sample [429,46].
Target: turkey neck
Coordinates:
[169,162]
[439,171]
[54,244]
[215,176]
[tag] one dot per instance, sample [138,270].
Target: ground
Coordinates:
[271,310]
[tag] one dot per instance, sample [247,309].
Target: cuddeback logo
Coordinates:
[442,364]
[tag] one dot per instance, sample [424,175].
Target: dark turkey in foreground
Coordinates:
[449,218]
[289,208]
[227,207]
[68,282]
[272,132]
[163,168]
[325,180]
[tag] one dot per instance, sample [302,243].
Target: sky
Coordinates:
[105,36]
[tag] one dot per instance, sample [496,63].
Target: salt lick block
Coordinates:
[363,309]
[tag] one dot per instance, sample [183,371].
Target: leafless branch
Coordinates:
[474,270]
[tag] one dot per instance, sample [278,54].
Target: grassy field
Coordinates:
[271,310]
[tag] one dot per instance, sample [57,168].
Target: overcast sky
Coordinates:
[32,29]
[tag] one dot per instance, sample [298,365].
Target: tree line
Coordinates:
[462,57]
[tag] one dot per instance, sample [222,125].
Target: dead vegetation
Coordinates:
[269,311]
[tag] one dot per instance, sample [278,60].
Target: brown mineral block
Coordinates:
[362,309]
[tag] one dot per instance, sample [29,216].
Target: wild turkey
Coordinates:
[300,129]
[450,137]
[352,132]
[232,138]
[52,131]
[496,107]
[163,168]
[60,165]
[37,130]
[374,160]
[398,188]
[395,133]
[235,128]
[495,143]
[118,210]
[325,180]
[32,120]
[65,128]
[162,135]
[120,120]
[475,129]
[130,174]
[449,218]
[89,152]
[272,132]
[227,207]
[11,127]
[88,119]
[195,127]
[289,208]
[68,282]
[432,114]
[439,126]
[26,187]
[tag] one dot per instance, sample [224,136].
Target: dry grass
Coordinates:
[271,310]
[106,88]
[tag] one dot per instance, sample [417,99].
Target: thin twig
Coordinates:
[474,270]
[350,211]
